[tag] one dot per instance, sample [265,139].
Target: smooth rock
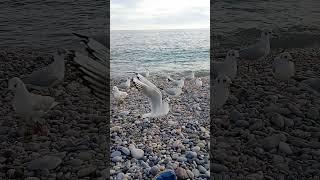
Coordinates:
[181,173]
[115,153]
[217,168]
[154,170]
[86,171]
[46,162]
[125,151]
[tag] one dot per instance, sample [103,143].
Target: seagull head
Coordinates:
[233,54]
[15,84]
[115,88]
[285,56]
[223,80]
[266,34]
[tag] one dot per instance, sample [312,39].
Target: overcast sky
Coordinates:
[159,14]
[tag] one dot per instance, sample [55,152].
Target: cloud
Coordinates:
[164,14]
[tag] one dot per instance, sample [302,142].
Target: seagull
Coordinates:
[228,66]
[49,76]
[190,76]
[175,92]
[159,107]
[125,85]
[220,91]
[258,50]
[118,95]
[178,83]
[198,82]
[283,67]
[27,105]
[146,73]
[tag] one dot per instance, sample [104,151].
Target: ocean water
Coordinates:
[236,23]
[47,24]
[159,50]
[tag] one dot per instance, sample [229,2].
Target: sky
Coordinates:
[159,14]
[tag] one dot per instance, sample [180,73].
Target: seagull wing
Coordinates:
[153,94]
[147,82]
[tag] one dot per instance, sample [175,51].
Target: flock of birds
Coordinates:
[94,67]
[31,107]
[225,71]
[159,106]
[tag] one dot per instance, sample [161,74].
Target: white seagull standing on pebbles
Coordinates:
[125,85]
[158,106]
[258,50]
[220,91]
[178,83]
[283,67]
[49,76]
[190,76]
[146,73]
[28,105]
[118,95]
[228,67]
[198,82]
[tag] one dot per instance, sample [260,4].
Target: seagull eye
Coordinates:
[266,33]
[15,85]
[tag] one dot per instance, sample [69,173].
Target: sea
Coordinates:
[239,23]
[160,51]
[46,25]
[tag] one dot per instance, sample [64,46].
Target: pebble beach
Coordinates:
[76,145]
[268,130]
[179,141]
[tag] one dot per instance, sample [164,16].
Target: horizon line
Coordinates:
[158,29]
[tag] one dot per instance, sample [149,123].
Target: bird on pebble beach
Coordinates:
[146,73]
[283,67]
[198,82]
[259,50]
[190,76]
[29,106]
[178,83]
[118,95]
[159,107]
[228,67]
[126,84]
[220,91]
[49,76]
